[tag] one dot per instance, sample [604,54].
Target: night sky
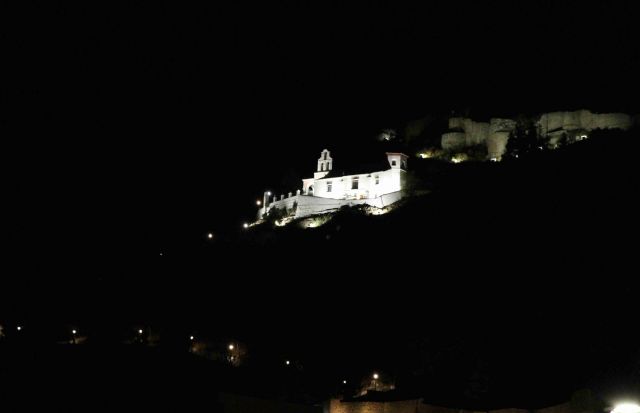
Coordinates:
[141,128]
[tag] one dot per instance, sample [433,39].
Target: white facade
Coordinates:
[326,192]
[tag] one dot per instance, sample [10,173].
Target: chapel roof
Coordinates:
[360,162]
[339,169]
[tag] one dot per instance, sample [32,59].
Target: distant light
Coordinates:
[191,338]
[73,332]
[140,331]
[258,202]
[344,382]
[19,328]
[161,254]
[287,362]
[245,225]
[375,376]
[231,347]
[269,193]
[210,235]
[626,408]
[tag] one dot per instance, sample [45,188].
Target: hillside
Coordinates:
[126,378]
[569,202]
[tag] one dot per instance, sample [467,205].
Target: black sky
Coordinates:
[136,109]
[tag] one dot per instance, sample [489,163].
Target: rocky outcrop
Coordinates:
[464,132]
[554,126]
[582,120]
[453,140]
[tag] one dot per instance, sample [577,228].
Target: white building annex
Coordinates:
[329,190]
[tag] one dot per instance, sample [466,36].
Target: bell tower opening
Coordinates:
[325,163]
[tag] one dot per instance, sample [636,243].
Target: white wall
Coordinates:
[306,183]
[388,181]
[313,205]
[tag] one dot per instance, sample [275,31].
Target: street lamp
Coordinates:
[375,376]
[210,235]
[287,362]
[258,202]
[232,357]
[245,225]
[140,331]
[344,382]
[626,408]
[375,381]
[191,338]
[19,328]
[73,334]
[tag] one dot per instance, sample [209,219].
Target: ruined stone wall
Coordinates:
[464,132]
[478,133]
[402,406]
[499,136]
[581,402]
[497,144]
[582,120]
[453,140]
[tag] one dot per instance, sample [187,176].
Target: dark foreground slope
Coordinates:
[58,378]
[134,378]
[515,277]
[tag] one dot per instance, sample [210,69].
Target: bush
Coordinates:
[275,214]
